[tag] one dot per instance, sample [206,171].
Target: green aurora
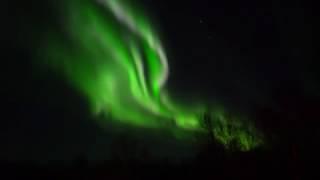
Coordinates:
[111,53]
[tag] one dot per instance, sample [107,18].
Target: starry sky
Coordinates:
[235,52]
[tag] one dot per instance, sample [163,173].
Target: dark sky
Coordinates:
[237,49]
[237,52]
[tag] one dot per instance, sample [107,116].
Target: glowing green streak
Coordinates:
[114,57]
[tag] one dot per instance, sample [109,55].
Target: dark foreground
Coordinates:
[280,164]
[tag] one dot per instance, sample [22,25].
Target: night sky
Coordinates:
[240,53]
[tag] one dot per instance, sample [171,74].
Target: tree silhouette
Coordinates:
[207,120]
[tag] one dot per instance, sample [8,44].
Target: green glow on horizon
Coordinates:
[111,53]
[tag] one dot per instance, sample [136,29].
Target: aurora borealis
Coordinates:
[110,51]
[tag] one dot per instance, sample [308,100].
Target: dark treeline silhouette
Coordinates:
[290,128]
